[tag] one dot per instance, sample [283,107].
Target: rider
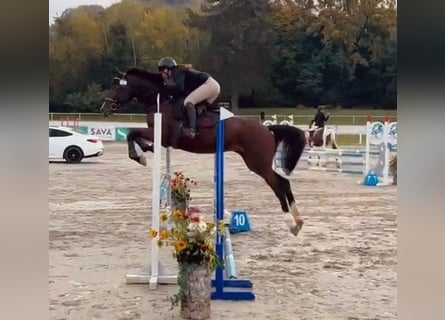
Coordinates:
[197,86]
[318,122]
[321,117]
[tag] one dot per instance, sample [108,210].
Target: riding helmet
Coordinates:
[167,63]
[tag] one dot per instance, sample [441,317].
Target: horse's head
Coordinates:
[136,84]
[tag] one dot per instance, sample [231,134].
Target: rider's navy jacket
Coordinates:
[186,81]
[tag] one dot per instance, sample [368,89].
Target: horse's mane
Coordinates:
[150,76]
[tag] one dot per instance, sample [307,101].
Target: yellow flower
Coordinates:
[178,213]
[164,234]
[180,245]
[153,233]
[210,225]
[163,217]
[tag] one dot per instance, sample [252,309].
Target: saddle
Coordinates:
[207,115]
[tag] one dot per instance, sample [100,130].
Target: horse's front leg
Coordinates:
[143,138]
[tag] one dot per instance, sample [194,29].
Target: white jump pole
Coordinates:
[169,176]
[385,179]
[157,275]
[367,147]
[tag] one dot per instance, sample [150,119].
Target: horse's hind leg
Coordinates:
[334,143]
[281,188]
[298,220]
[328,141]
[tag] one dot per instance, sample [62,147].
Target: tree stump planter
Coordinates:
[197,284]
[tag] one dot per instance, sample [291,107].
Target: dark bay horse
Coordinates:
[255,143]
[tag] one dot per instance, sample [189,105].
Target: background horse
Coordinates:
[255,143]
[317,137]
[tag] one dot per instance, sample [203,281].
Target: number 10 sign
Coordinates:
[239,222]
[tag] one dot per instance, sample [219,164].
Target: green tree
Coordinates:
[75,40]
[89,100]
[238,53]
[335,52]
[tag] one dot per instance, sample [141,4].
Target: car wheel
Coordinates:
[73,155]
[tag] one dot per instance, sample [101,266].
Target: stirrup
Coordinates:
[191,133]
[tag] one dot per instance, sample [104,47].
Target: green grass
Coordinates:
[348,140]
[302,116]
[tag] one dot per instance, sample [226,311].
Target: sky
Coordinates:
[56,7]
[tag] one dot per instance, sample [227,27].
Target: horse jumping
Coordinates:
[255,143]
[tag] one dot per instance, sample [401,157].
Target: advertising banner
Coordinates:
[104,132]
[121,134]
[82,129]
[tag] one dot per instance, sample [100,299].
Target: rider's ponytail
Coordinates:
[184,67]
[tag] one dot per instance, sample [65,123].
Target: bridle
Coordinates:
[115,104]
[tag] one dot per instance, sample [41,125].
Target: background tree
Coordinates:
[263,53]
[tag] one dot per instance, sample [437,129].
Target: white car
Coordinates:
[66,143]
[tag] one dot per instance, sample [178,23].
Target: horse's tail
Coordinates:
[293,140]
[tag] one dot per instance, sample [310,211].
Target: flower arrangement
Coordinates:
[192,239]
[193,243]
[180,188]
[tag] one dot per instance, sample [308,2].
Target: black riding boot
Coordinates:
[191,114]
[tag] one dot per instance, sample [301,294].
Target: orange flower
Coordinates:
[163,217]
[153,233]
[180,246]
[164,234]
[178,213]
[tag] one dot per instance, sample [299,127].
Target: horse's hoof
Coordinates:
[143,161]
[296,229]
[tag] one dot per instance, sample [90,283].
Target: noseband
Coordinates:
[115,104]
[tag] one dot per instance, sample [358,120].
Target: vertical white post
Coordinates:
[155,198]
[169,176]
[386,160]
[367,148]
[157,273]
